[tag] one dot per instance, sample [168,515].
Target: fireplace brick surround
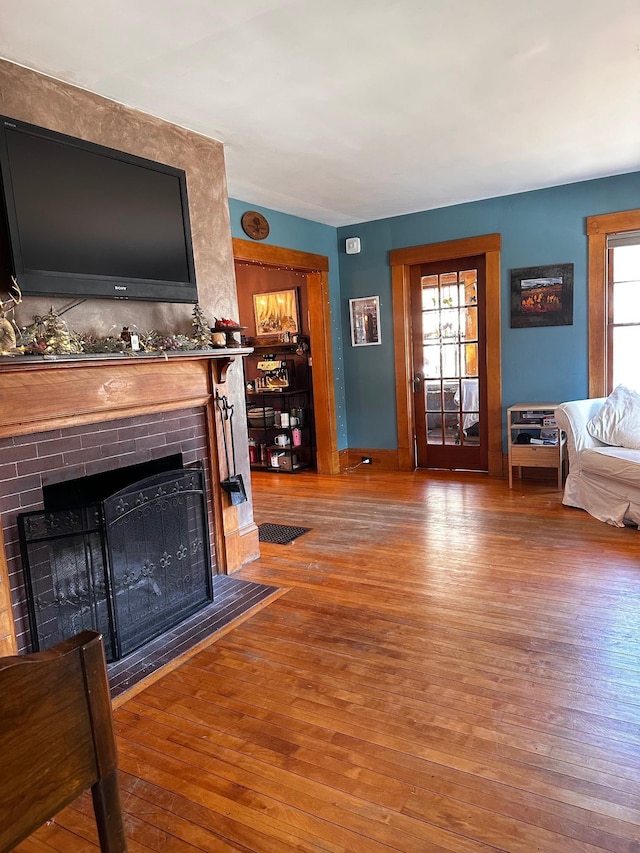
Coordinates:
[67,419]
[67,454]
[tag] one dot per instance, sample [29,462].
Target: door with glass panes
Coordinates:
[449,360]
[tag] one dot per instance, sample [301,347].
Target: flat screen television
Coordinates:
[83,220]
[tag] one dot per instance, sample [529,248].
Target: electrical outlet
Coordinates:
[366,460]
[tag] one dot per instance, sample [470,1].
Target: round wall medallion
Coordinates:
[255,225]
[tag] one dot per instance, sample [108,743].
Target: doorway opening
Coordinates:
[312,274]
[273,308]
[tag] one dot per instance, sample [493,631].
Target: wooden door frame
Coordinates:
[598,229]
[316,268]
[401,262]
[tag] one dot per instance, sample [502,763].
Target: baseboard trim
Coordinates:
[381,460]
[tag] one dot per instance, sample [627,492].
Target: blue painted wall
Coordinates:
[542,227]
[292,232]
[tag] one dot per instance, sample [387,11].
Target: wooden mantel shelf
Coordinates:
[221,355]
[39,393]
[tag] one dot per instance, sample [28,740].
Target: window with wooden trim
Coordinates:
[614,301]
[623,310]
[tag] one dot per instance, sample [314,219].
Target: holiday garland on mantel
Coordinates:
[49,335]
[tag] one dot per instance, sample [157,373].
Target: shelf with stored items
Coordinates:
[534,439]
[280,430]
[280,406]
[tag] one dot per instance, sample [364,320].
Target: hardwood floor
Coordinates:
[454,667]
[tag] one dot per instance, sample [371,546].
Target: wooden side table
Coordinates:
[547,445]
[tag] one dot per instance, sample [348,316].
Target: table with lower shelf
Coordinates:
[536,420]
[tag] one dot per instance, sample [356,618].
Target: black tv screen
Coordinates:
[88,221]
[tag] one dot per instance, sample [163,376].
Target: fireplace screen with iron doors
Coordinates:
[132,566]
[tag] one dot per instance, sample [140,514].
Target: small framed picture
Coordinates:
[364,315]
[542,296]
[276,312]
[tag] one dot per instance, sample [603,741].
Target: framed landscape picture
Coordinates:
[276,312]
[542,296]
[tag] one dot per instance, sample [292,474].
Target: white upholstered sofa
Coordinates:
[604,478]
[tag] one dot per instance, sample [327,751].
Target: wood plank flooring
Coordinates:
[454,667]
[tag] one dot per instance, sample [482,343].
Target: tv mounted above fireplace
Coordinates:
[84,221]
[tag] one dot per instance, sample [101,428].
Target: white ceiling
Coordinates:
[342,111]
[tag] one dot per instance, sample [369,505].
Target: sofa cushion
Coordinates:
[618,421]
[614,463]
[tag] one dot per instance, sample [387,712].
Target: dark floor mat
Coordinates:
[280,534]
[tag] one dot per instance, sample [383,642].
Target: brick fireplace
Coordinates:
[67,419]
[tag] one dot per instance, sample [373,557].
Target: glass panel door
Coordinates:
[447,333]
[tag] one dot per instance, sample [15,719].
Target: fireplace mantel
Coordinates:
[42,394]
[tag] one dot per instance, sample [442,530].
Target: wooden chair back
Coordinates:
[57,740]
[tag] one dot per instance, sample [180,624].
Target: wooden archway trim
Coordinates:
[401,261]
[598,227]
[316,268]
